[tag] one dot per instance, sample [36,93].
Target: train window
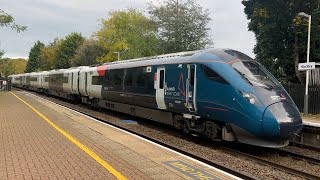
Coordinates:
[46,79]
[94,80]
[161,79]
[210,74]
[192,76]
[117,77]
[142,78]
[65,80]
[128,81]
[98,80]
[108,78]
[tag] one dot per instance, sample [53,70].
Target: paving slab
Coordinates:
[30,147]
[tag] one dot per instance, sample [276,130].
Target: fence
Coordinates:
[297,92]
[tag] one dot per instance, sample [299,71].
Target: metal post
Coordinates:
[118,55]
[306,97]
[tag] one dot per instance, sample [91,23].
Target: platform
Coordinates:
[311,120]
[42,140]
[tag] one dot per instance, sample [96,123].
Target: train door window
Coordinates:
[161,79]
[192,71]
[210,74]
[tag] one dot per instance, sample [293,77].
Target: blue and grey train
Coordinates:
[220,93]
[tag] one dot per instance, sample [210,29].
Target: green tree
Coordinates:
[12,66]
[48,55]
[128,32]
[6,20]
[282,35]
[33,63]
[88,53]
[182,25]
[67,50]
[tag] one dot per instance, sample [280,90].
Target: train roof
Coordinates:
[207,55]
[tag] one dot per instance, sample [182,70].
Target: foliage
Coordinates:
[12,66]
[1,53]
[87,53]
[67,50]
[6,20]
[48,55]
[282,35]
[33,63]
[128,32]
[182,25]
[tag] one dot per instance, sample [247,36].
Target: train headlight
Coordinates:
[252,99]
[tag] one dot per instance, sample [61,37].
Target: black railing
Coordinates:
[297,92]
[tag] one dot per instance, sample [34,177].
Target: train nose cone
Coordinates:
[286,116]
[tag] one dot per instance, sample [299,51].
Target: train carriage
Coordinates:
[219,93]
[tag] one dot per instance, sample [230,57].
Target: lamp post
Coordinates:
[118,55]
[306,97]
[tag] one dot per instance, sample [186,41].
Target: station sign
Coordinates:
[306,66]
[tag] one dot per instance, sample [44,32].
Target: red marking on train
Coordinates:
[181,80]
[101,70]
[219,109]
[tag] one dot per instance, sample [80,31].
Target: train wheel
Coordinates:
[186,127]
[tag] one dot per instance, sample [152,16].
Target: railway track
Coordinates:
[289,170]
[248,156]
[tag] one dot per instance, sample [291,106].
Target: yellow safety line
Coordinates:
[76,142]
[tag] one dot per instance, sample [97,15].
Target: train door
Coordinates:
[160,87]
[86,83]
[74,84]
[191,88]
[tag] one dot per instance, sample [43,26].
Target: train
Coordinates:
[220,94]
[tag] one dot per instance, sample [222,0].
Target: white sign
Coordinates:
[306,66]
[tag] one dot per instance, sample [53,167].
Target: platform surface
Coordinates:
[45,141]
[311,120]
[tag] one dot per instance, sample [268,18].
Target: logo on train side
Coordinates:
[189,170]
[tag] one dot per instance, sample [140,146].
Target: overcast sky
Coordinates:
[48,19]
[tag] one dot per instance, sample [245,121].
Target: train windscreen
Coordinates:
[255,74]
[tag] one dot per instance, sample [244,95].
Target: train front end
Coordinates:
[280,118]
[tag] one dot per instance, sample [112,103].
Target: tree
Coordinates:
[1,53]
[182,25]
[33,63]
[88,53]
[48,55]
[6,20]
[282,35]
[128,32]
[12,66]
[67,50]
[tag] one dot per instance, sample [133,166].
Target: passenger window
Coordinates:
[117,77]
[161,79]
[210,74]
[129,77]
[108,78]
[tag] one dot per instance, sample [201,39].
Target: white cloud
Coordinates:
[48,19]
